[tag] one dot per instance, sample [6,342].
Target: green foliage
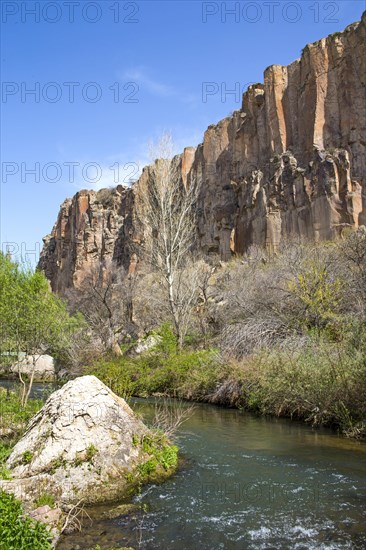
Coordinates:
[12,414]
[168,457]
[161,371]
[86,456]
[19,532]
[5,473]
[167,341]
[91,451]
[57,463]
[322,384]
[163,456]
[115,377]
[14,417]
[45,499]
[5,450]
[32,318]
[319,296]
[27,457]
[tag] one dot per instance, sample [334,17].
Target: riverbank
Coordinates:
[321,383]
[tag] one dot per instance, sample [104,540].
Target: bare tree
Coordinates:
[168,212]
[350,259]
[106,303]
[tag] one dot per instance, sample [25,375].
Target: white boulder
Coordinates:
[80,446]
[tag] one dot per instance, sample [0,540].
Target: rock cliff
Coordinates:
[291,163]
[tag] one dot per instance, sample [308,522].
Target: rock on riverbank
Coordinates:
[85,445]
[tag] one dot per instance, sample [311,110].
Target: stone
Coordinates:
[147,344]
[121,510]
[44,367]
[290,163]
[79,447]
[46,514]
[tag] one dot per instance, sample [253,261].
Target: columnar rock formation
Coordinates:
[290,163]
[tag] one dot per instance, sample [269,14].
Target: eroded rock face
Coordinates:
[91,228]
[79,446]
[290,163]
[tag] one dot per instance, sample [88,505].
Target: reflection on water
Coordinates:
[247,483]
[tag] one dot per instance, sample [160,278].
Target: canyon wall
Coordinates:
[291,163]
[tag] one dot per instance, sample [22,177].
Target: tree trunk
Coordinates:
[23,385]
[173,309]
[30,381]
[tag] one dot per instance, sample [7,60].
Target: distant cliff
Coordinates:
[290,163]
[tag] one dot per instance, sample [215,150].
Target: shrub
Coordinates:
[160,372]
[318,295]
[13,415]
[323,384]
[163,370]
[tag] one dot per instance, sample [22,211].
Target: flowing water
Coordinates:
[246,483]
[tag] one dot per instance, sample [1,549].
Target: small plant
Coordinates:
[45,499]
[5,450]
[14,416]
[78,460]
[5,473]
[56,464]
[91,451]
[85,457]
[147,468]
[27,457]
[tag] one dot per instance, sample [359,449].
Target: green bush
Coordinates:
[167,341]
[19,532]
[186,374]
[317,294]
[163,370]
[324,384]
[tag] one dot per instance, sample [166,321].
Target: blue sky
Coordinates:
[113,75]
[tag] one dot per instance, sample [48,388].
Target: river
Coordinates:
[246,482]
